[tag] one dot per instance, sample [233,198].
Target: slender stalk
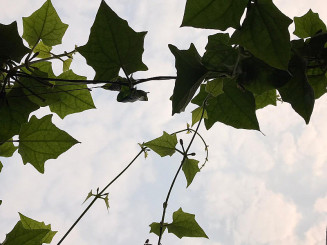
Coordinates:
[165,204]
[97,196]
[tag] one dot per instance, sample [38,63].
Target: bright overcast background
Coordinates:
[255,189]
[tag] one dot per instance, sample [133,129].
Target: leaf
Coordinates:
[164,145]
[40,140]
[7,149]
[29,223]
[14,111]
[66,64]
[190,74]
[131,95]
[308,25]
[267,98]
[190,169]
[71,98]
[155,228]
[44,24]
[235,107]
[213,14]
[11,44]
[29,232]
[197,113]
[201,96]
[1,166]
[219,55]
[319,85]
[298,91]
[264,33]
[215,87]
[113,45]
[44,50]
[88,196]
[106,200]
[185,225]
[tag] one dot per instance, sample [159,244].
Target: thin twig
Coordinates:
[98,195]
[165,204]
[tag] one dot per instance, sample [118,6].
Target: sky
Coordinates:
[255,190]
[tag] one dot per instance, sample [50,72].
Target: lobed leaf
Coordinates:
[113,45]
[7,149]
[318,84]
[44,24]
[264,33]
[71,98]
[267,98]
[213,14]
[29,232]
[215,87]
[40,140]
[185,225]
[308,25]
[235,107]
[43,50]
[190,74]
[155,228]
[14,111]
[11,44]
[164,145]
[190,169]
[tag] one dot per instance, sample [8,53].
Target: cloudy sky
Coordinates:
[255,189]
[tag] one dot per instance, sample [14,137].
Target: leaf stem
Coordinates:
[165,204]
[99,194]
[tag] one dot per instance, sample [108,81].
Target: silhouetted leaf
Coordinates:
[190,74]
[267,98]
[214,14]
[113,45]
[264,33]
[235,107]
[11,44]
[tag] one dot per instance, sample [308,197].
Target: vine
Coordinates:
[256,66]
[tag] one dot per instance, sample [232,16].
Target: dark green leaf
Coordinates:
[190,169]
[29,232]
[197,113]
[265,34]
[11,44]
[7,149]
[215,87]
[219,55]
[308,25]
[31,224]
[40,140]
[72,98]
[164,145]
[113,45]
[267,98]
[214,14]
[1,166]
[185,225]
[258,77]
[201,96]
[319,85]
[235,107]
[14,111]
[44,24]
[155,228]
[298,91]
[190,74]
[131,95]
